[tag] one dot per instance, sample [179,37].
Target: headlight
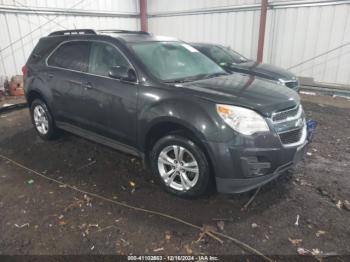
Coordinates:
[241,119]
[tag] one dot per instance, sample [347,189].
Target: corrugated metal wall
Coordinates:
[296,31]
[238,29]
[23,22]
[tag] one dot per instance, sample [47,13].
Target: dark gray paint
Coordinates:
[251,67]
[262,70]
[120,113]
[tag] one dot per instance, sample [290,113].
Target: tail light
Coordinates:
[24,71]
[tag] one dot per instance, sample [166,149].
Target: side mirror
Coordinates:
[123,73]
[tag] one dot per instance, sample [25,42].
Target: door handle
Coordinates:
[88,85]
[50,76]
[75,82]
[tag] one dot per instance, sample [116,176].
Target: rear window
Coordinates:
[44,47]
[222,55]
[71,55]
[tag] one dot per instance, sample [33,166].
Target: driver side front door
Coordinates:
[111,104]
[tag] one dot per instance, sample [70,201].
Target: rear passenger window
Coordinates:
[71,55]
[104,57]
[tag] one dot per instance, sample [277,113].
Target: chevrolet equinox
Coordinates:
[160,99]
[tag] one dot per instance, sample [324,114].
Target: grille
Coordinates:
[292,136]
[292,84]
[280,116]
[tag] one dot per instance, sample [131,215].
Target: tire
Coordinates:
[164,165]
[43,121]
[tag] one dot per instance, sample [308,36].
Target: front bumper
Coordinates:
[240,185]
[245,163]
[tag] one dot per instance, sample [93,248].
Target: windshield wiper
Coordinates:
[196,77]
[186,79]
[182,80]
[215,75]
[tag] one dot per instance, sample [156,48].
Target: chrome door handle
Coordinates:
[75,82]
[88,85]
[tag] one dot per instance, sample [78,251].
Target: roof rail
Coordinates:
[123,31]
[74,32]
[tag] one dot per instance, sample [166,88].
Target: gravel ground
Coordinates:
[38,216]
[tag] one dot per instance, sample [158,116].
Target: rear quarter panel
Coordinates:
[37,70]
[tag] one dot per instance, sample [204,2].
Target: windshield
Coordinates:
[224,55]
[175,61]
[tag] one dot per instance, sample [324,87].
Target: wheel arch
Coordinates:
[34,94]
[37,94]
[163,126]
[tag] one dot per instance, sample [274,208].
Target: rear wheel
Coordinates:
[42,120]
[181,166]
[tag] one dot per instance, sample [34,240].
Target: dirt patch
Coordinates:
[61,221]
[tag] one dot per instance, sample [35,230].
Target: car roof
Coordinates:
[127,36]
[205,44]
[133,38]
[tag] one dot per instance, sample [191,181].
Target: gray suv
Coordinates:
[160,99]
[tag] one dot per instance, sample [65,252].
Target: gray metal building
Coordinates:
[309,37]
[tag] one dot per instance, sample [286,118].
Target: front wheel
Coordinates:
[181,166]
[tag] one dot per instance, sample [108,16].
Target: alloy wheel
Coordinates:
[178,168]
[41,120]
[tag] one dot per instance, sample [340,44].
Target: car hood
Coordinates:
[266,70]
[243,90]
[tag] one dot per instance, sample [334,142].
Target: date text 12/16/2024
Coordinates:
[173,258]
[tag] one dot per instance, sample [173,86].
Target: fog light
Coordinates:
[255,166]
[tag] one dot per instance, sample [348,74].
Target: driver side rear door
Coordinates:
[67,67]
